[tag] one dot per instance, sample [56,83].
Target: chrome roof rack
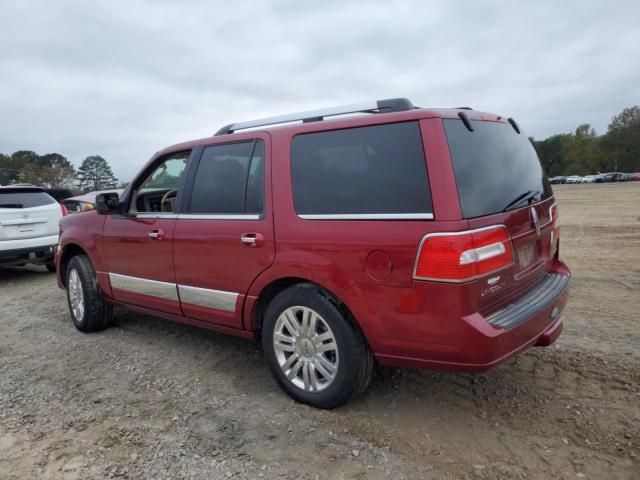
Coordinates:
[374,106]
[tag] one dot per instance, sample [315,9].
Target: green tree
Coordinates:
[11,166]
[95,174]
[622,141]
[582,151]
[551,153]
[50,171]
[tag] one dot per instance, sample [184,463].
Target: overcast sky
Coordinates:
[123,79]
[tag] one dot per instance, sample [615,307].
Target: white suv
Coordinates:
[28,226]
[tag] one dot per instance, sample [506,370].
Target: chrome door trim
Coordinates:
[196,216]
[368,216]
[153,288]
[168,216]
[204,297]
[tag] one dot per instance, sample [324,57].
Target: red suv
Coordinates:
[402,236]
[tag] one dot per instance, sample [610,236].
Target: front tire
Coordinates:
[313,349]
[89,310]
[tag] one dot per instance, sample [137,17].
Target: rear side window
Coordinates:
[230,180]
[377,170]
[494,167]
[17,198]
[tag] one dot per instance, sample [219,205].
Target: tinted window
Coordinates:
[17,198]
[230,179]
[493,165]
[367,170]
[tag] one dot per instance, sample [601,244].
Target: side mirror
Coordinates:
[107,203]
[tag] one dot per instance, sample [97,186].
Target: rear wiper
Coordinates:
[525,197]
[11,205]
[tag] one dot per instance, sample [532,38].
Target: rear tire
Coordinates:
[89,310]
[313,349]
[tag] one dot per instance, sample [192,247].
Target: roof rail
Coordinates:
[375,106]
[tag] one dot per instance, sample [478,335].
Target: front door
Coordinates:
[138,244]
[224,238]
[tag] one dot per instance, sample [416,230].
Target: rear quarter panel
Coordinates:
[335,253]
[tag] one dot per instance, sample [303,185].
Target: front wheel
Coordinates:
[315,352]
[89,311]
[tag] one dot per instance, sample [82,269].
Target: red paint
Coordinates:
[368,265]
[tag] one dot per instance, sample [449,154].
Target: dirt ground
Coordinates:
[153,399]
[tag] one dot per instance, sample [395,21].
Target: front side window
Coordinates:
[230,180]
[159,190]
[377,170]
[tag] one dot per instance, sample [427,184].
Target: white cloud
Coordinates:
[124,79]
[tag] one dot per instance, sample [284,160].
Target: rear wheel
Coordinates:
[89,311]
[316,354]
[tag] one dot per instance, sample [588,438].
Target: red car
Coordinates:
[401,236]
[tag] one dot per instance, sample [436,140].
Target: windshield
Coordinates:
[496,168]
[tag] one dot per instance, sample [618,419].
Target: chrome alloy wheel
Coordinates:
[306,349]
[76,295]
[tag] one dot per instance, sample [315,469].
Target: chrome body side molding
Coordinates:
[204,297]
[144,286]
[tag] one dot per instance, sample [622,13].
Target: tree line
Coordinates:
[53,170]
[583,152]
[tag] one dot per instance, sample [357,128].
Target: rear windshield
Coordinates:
[361,171]
[496,168]
[24,198]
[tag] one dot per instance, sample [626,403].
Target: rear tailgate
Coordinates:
[27,213]
[500,182]
[531,237]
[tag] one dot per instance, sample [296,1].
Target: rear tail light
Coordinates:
[463,256]
[65,212]
[555,230]
[554,214]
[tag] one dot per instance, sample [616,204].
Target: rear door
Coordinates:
[500,181]
[27,213]
[225,238]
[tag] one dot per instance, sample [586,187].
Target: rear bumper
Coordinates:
[535,319]
[35,254]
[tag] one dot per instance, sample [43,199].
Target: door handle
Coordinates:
[156,234]
[252,239]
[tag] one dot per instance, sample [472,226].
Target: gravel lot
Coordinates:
[153,399]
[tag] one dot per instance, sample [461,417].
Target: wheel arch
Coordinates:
[69,251]
[278,285]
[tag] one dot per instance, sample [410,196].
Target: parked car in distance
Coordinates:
[558,180]
[328,241]
[635,176]
[59,193]
[621,177]
[28,226]
[588,179]
[574,179]
[86,202]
